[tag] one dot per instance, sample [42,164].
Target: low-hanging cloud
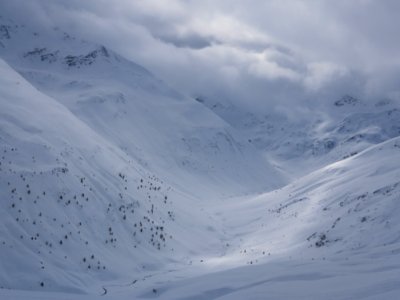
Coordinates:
[247,52]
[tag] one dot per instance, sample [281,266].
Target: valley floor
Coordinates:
[275,280]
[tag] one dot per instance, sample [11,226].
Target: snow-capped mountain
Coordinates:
[74,202]
[161,129]
[96,156]
[113,183]
[324,134]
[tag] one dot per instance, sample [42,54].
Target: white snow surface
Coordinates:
[162,130]
[115,186]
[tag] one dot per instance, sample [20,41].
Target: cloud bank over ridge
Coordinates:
[254,53]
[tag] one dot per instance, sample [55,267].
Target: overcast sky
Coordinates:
[253,51]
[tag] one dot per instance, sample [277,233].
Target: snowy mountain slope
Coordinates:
[102,160]
[330,235]
[76,210]
[167,133]
[343,208]
[333,234]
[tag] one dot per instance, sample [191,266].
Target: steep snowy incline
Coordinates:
[76,211]
[165,132]
[349,207]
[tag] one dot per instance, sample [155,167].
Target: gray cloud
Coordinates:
[194,40]
[255,53]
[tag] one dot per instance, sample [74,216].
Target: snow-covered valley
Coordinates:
[113,185]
